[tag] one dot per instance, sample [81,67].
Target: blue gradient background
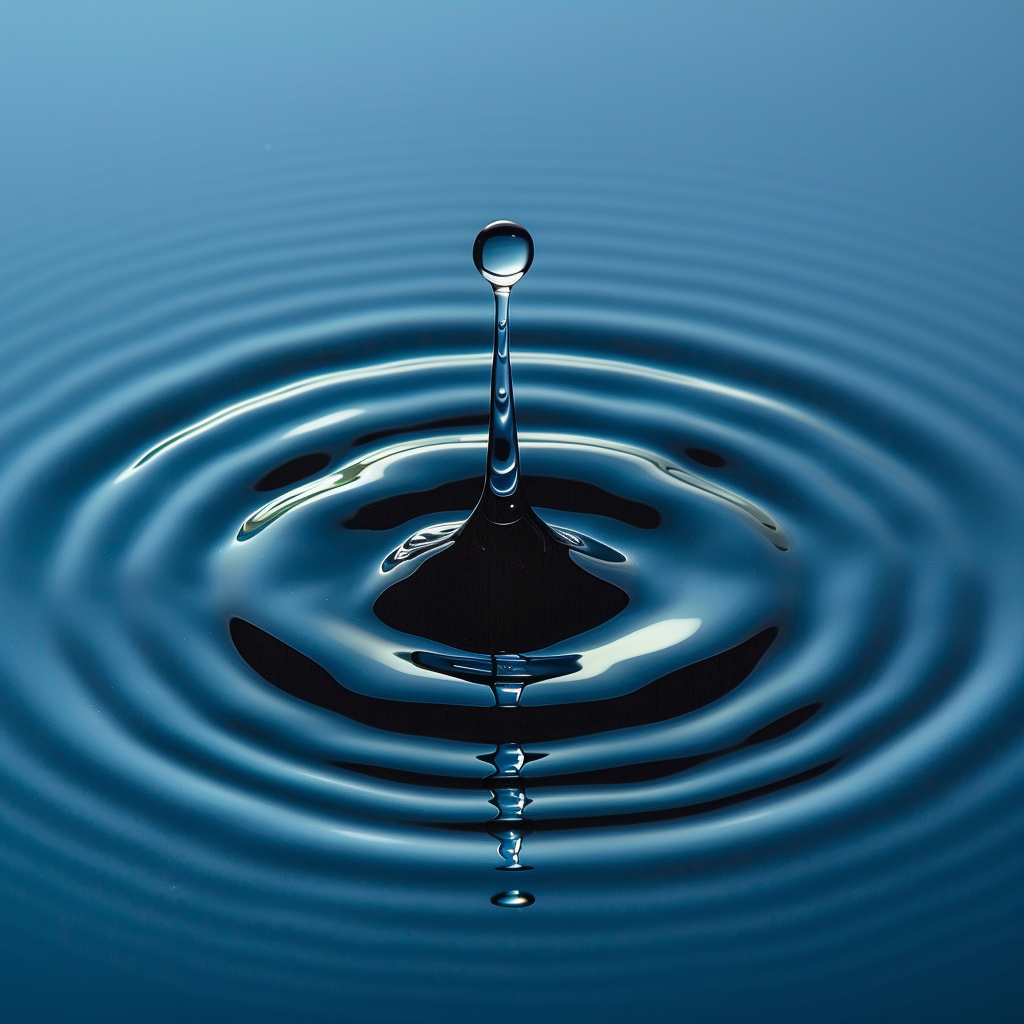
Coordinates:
[125,128]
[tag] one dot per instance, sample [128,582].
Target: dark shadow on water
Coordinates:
[293,471]
[706,457]
[500,589]
[408,778]
[677,693]
[538,491]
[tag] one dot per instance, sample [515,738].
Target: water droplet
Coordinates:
[513,898]
[515,586]
[503,252]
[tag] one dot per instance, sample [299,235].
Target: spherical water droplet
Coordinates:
[503,252]
[513,898]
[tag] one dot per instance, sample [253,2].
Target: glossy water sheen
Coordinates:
[503,253]
[783,782]
[504,256]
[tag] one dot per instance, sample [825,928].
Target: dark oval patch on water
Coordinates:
[677,693]
[293,471]
[706,457]
[539,491]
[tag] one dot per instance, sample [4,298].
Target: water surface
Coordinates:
[241,399]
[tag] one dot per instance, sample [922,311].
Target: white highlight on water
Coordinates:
[658,636]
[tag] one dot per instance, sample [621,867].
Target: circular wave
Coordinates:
[744,375]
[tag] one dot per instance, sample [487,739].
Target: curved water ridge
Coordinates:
[568,445]
[859,593]
[816,528]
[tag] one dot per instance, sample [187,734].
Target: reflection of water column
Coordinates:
[509,827]
[510,673]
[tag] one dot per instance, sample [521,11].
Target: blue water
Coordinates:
[777,299]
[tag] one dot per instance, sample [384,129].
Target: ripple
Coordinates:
[811,436]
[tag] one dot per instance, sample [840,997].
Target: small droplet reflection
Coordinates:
[513,898]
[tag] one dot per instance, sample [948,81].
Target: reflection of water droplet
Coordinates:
[510,845]
[508,759]
[513,898]
[511,801]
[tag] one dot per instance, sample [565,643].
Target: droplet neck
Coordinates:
[503,582]
[501,503]
[503,253]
